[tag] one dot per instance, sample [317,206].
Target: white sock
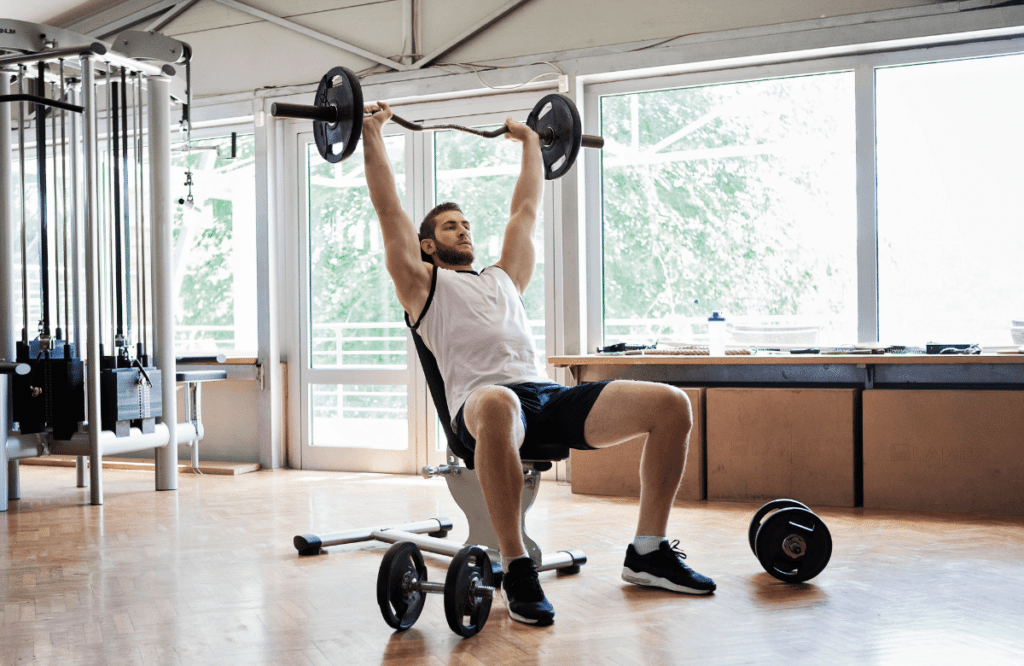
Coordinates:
[505,561]
[647,544]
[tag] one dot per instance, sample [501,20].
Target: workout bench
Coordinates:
[464,486]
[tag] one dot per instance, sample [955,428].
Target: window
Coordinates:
[215,248]
[356,319]
[736,197]
[950,237]
[356,326]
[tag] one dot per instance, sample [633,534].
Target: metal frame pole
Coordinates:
[159,96]
[7,241]
[76,268]
[92,304]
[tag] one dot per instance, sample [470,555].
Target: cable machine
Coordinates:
[93,221]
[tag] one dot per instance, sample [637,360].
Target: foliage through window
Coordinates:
[735,197]
[215,248]
[356,318]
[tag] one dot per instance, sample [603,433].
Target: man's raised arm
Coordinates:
[401,242]
[518,254]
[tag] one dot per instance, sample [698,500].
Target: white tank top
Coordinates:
[476,327]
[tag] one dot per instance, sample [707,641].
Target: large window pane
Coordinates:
[356,319]
[950,237]
[215,248]
[480,176]
[735,197]
[360,416]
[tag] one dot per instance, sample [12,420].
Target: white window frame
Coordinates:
[863,66]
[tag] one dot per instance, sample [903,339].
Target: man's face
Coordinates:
[453,239]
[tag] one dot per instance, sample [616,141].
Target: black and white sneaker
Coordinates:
[526,600]
[665,568]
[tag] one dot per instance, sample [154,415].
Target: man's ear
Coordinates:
[427,249]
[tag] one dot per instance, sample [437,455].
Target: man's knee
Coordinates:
[490,406]
[674,408]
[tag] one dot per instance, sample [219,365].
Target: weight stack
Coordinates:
[127,401]
[52,394]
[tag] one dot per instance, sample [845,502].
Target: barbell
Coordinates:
[337,115]
[469,588]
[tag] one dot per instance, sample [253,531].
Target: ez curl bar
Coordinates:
[337,116]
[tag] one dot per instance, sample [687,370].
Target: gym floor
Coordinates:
[208,575]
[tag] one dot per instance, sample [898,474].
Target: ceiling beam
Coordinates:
[171,14]
[303,30]
[133,19]
[470,32]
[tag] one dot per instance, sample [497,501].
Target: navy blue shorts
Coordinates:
[553,415]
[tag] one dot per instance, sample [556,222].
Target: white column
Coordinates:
[271,396]
[92,284]
[159,101]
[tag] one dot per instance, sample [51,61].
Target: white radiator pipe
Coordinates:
[111,444]
[37,445]
[25,446]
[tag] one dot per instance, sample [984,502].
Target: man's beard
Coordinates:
[454,257]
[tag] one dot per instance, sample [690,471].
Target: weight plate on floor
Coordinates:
[774,505]
[794,545]
[465,609]
[339,88]
[398,594]
[557,121]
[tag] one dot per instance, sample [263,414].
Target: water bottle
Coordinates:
[716,334]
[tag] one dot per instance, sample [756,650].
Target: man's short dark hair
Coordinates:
[429,224]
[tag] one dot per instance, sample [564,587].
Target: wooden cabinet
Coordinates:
[952,451]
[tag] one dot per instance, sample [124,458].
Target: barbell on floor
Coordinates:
[337,115]
[468,589]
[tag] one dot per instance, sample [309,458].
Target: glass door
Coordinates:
[357,386]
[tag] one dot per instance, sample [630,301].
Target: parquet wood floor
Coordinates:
[208,575]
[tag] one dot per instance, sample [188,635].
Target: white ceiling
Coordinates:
[57,13]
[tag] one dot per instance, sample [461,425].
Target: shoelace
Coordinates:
[677,551]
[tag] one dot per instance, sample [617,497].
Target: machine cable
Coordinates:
[64,189]
[44,247]
[24,213]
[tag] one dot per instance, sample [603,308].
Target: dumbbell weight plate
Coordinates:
[774,505]
[399,603]
[340,89]
[465,611]
[793,544]
[557,121]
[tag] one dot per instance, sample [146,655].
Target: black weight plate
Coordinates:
[803,525]
[399,605]
[557,121]
[339,88]
[774,505]
[466,612]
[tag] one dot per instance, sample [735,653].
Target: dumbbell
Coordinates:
[793,543]
[469,588]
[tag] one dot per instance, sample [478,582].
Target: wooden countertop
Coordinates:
[774,358]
